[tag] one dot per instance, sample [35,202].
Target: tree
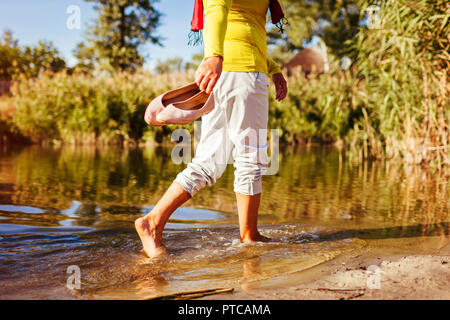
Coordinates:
[10,55]
[86,58]
[40,58]
[122,28]
[170,65]
[29,61]
[196,60]
[334,21]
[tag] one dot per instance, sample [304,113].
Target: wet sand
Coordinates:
[399,269]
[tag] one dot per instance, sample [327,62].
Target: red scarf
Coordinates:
[276,14]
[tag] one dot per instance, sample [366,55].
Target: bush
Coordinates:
[81,109]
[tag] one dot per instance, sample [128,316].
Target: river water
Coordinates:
[70,211]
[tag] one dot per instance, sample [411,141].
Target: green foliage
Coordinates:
[335,21]
[122,28]
[395,101]
[170,65]
[86,58]
[82,109]
[196,60]
[177,65]
[41,58]
[10,55]
[27,61]
[404,64]
[321,109]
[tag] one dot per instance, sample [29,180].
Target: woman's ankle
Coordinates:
[250,235]
[254,237]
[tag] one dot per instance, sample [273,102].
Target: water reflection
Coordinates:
[69,206]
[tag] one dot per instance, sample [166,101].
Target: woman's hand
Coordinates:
[208,73]
[280,86]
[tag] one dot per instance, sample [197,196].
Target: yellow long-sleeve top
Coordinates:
[235,30]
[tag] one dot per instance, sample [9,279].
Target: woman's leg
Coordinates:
[248,129]
[209,163]
[248,206]
[207,166]
[151,226]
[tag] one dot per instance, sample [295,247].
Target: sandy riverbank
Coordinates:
[413,268]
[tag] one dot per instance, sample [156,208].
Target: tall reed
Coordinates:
[404,64]
[79,109]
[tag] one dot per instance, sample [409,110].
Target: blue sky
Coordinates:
[34,20]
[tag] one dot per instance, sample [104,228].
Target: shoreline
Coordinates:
[383,270]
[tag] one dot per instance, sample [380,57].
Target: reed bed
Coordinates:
[391,104]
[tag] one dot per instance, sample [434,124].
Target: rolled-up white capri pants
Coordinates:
[237,126]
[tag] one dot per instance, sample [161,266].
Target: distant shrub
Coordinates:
[84,110]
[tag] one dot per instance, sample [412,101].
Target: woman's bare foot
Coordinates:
[255,238]
[150,237]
